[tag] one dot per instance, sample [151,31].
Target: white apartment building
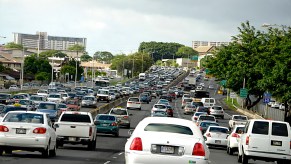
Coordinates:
[196,44]
[42,41]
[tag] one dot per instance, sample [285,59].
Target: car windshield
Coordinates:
[106,117]
[118,112]
[239,117]
[24,117]
[35,98]
[54,96]
[88,98]
[24,102]
[188,100]
[18,97]
[217,108]
[47,106]
[72,102]
[170,128]
[218,130]
[4,96]
[62,106]
[160,106]
[103,92]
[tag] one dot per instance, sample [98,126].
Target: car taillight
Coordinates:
[39,130]
[235,135]
[114,124]
[129,102]
[198,150]
[208,134]
[137,102]
[136,144]
[3,128]
[125,117]
[195,118]
[200,128]
[247,140]
[90,131]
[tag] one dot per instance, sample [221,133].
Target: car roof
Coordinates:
[118,108]
[20,111]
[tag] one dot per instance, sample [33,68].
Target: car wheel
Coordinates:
[92,145]
[116,134]
[1,152]
[230,151]
[283,161]
[53,152]
[60,144]
[46,152]
[128,126]
[8,151]
[239,158]
[245,159]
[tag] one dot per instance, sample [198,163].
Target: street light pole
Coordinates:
[132,68]
[142,61]
[22,70]
[76,70]
[52,80]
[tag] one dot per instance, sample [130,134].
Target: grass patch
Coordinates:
[229,103]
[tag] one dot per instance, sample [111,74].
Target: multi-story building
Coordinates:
[42,41]
[196,44]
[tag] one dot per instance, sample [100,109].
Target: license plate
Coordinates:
[217,141]
[167,149]
[104,124]
[276,143]
[20,131]
[72,139]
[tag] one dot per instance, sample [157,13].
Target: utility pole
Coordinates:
[142,61]
[76,70]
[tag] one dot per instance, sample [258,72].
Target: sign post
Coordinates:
[243,93]
[232,95]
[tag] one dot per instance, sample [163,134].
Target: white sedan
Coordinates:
[133,102]
[159,140]
[216,136]
[232,139]
[31,131]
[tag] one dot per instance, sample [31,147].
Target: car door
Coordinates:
[279,138]
[259,136]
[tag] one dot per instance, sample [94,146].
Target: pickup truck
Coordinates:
[237,120]
[76,128]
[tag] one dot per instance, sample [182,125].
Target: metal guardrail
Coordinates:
[264,111]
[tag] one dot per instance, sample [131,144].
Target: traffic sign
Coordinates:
[243,93]
[267,97]
[266,100]
[232,95]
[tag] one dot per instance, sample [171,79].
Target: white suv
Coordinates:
[266,140]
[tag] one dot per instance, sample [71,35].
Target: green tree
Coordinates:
[72,64]
[12,45]
[160,50]
[77,47]
[42,76]
[186,52]
[118,63]
[34,65]
[52,53]
[103,56]
[86,58]
[2,68]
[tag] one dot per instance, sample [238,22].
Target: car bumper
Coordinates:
[133,157]
[216,142]
[134,106]
[107,130]
[23,142]
[266,155]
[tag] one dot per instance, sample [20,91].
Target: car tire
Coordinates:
[230,151]
[46,152]
[53,152]
[116,134]
[128,126]
[60,144]
[92,145]
[245,159]
[1,152]
[239,158]
[8,151]
[283,161]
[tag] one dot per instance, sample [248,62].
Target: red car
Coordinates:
[172,94]
[73,105]
[170,111]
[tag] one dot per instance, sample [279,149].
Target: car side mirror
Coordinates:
[55,126]
[205,138]
[130,132]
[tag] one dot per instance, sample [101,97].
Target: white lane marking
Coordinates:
[114,157]
[228,114]
[177,109]
[107,162]
[120,153]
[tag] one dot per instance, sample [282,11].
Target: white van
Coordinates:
[142,76]
[208,102]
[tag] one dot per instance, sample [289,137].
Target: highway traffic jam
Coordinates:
[169,116]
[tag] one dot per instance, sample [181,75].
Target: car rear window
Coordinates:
[160,106]
[24,117]
[134,99]
[239,118]
[106,117]
[118,112]
[206,124]
[217,108]
[239,129]
[217,129]
[206,118]
[76,118]
[188,100]
[279,129]
[170,128]
[261,127]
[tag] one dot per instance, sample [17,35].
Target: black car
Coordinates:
[167,97]
[5,98]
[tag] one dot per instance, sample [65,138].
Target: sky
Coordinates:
[119,26]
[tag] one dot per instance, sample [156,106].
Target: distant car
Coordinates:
[167,97]
[29,104]
[210,87]
[107,124]
[55,97]
[160,107]
[166,140]
[189,109]
[13,87]
[63,107]
[145,98]
[122,115]
[14,107]
[186,101]
[89,101]
[50,108]
[73,105]
[216,136]
[208,118]
[203,109]
[5,98]
[170,111]
[31,131]
[217,111]
[163,101]
[133,103]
